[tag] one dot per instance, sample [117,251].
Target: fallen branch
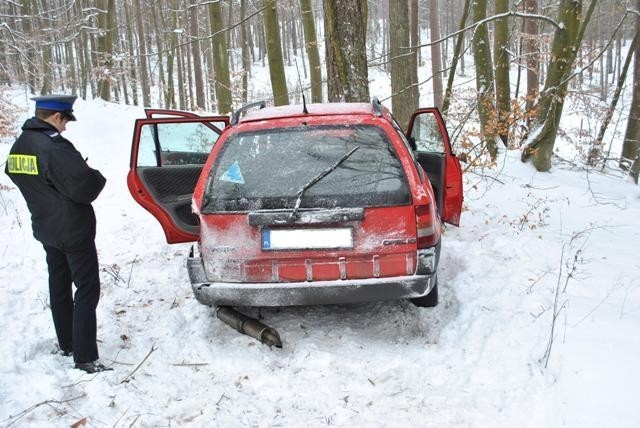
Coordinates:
[128,377]
[190,364]
[25,412]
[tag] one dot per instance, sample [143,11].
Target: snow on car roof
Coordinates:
[313,109]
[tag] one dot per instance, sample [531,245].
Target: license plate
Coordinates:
[307,239]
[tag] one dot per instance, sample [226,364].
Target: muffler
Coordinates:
[249,326]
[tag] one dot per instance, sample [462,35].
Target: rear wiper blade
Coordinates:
[317,178]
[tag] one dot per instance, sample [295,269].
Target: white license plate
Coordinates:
[307,239]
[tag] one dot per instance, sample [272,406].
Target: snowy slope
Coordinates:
[477,360]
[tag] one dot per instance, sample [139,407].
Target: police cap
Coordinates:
[62,103]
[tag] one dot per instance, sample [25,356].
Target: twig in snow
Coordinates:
[14,419]
[120,418]
[131,271]
[220,399]
[604,299]
[571,269]
[134,421]
[190,364]
[128,377]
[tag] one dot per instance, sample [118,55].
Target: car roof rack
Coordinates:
[377,106]
[236,114]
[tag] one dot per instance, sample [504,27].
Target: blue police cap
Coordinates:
[63,103]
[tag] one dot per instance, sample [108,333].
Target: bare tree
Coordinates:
[436,54]
[501,62]
[274,52]
[631,145]
[345,24]
[220,59]
[404,99]
[311,46]
[566,40]
[196,55]
[531,52]
[484,77]
[142,47]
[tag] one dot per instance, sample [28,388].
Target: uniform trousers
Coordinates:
[74,316]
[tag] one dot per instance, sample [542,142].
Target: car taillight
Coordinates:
[425,225]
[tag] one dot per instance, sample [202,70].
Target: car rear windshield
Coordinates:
[266,170]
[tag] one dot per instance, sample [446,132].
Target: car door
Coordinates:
[167,157]
[434,153]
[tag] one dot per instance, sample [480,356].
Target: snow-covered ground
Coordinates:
[530,245]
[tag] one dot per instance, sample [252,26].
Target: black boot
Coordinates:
[93,367]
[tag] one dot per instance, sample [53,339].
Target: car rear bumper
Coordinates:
[305,293]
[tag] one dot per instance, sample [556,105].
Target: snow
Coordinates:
[476,360]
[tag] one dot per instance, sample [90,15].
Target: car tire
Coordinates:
[430,300]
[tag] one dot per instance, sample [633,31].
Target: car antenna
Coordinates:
[304,101]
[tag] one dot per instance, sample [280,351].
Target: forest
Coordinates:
[501,71]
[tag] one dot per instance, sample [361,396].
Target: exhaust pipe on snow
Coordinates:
[249,326]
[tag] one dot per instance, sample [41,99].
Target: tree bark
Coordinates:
[566,42]
[631,144]
[457,54]
[246,59]
[404,98]
[274,53]
[311,46]
[142,46]
[531,51]
[196,54]
[484,78]
[501,62]
[436,54]
[220,60]
[345,26]
[596,148]
[106,21]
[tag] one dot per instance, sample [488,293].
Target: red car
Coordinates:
[294,205]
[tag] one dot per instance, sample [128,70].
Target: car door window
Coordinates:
[163,144]
[427,134]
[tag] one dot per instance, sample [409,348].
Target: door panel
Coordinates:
[167,157]
[428,130]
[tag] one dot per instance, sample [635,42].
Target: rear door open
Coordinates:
[167,156]
[434,153]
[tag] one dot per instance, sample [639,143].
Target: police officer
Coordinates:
[59,186]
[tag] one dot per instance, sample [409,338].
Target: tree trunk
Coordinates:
[311,46]
[142,45]
[484,78]
[131,62]
[631,144]
[457,54]
[501,62]
[196,54]
[596,149]
[170,94]
[274,52]
[158,26]
[436,53]
[220,59]
[106,22]
[404,99]
[246,59]
[182,95]
[566,42]
[415,41]
[531,51]
[345,26]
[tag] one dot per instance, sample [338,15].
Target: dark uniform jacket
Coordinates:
[57,185]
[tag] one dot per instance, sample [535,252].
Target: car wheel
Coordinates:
[430,300]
